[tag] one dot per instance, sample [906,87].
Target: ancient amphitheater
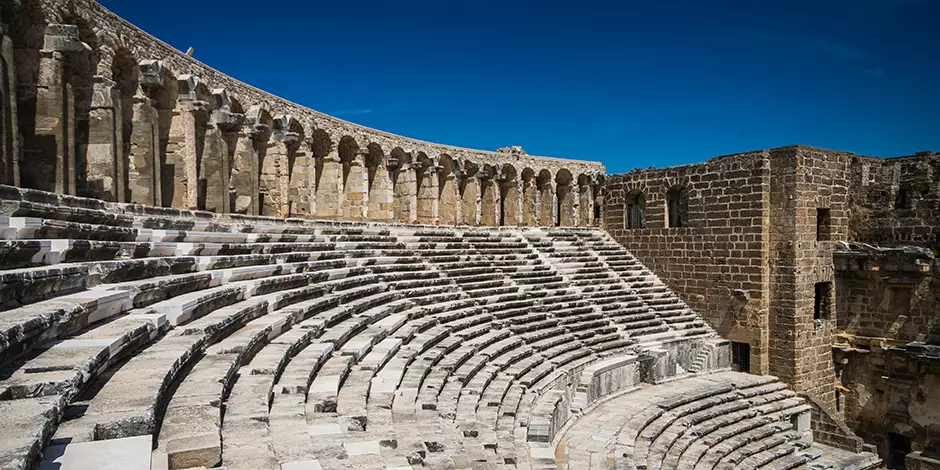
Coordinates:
[198,274]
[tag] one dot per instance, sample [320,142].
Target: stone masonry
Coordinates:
[197,274]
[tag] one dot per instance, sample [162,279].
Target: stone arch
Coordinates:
[469,190]
[489,196]
[380,189]
[529,198]
[426,179]
[510,213]
[585,201]
[354,178]
[404,202]
[448,207]
[566,214]
[546,199]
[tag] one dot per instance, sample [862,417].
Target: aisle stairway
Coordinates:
[257,343]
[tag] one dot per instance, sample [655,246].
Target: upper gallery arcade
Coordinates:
[92,106]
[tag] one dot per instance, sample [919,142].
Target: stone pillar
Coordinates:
[330,187]
[489,201]
[275,169]
[585,206]
[406,195]
[187,138]
[547,203]
[567,207]
[300,194]
[470,199]
[250,147]
[448,210]
[509,201]
[55,112]
[381,197]
[215,170]
[105,142]
[530,203]
[143,162]
[355,188]
[9,131]
[427,195]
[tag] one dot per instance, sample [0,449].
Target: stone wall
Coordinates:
[718,263]
[93,106]
[888,301]
[764,234]
[896,201]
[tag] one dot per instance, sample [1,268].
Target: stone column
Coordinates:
[548,205]
[489,201]
[216,167]
[143,162]
[250,146]
[104,170]
[585,206]
[190,131]
[9,131]
[330,189]
[447,208]
[381,198]
[55,111]
[275,171]
[406,195]
[427,194]
[355,188]
[530,205]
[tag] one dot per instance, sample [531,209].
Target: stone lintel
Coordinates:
[63,38]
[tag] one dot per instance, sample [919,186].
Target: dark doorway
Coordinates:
[898,448]
[740,357]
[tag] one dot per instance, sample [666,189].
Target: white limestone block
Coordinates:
[324,429]
[131,453]
[362,448]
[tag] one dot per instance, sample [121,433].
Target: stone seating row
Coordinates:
[333,345]
[722,420]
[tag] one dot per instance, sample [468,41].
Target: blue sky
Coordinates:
[629,84]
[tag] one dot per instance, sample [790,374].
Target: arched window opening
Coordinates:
[636,211]
[677,208]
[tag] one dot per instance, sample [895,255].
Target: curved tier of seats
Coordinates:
[257,343]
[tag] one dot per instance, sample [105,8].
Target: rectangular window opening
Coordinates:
[823,225]
[822,303]
[740,357]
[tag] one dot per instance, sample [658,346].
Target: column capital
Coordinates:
[102,92]
[151,72]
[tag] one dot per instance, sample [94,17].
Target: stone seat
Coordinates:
[26,427]
[43,228]
[115,412]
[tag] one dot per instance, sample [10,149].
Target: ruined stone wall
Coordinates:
[718,263]
[888,301]
[896,201]
[108,111]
